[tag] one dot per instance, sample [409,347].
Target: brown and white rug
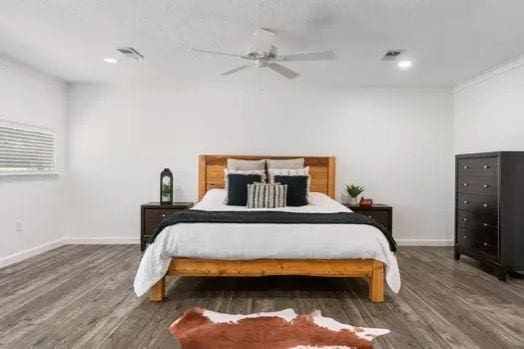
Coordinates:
[201,328]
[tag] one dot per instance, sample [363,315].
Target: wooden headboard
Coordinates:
[211,171]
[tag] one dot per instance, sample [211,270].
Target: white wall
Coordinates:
[35,201]
[397,143]
[489,111]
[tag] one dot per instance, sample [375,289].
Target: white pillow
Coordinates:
[246,165]
[287,172]
[262,174]
[293,164]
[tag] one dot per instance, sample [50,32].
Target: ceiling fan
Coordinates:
[265,55]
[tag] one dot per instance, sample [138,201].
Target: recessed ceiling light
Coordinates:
[110,60]
[404,64]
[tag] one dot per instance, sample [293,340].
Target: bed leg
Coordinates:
[157,293]
[376,283]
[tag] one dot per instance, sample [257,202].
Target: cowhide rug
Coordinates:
[201,328]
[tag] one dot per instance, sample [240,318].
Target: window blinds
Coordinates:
[26,149]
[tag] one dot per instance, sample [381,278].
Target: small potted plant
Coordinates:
[354,191]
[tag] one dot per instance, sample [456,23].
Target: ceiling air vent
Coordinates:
[392,55]
[130,52]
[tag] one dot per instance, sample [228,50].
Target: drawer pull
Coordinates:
[163,215]
[465,237]
[465,184]
[486,167]
[466,202]
[485,224]
[466,167]
[465,219]
[485,244]
[485,205]
[485,186]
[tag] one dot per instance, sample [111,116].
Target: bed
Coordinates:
[271,249]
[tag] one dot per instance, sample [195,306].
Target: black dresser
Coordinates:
[489,209]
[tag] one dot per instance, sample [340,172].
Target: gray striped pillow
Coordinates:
[266,195]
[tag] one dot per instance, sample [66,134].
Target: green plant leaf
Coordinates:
[354,190]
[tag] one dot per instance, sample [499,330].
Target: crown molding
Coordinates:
[490,74]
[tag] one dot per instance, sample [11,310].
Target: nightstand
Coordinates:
[379,212]
[152,213]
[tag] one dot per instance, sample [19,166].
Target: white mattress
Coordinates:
[255,241]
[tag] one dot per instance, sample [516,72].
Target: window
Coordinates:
[26,149]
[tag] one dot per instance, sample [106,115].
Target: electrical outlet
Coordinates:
[19,226]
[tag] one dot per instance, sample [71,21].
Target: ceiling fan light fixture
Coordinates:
[405,64]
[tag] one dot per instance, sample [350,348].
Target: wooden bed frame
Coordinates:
[322,171]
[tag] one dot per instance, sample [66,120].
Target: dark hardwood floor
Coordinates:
[81,297]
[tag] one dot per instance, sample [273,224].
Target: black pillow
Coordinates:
[296,189]
[237,187]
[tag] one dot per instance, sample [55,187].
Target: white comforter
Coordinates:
[254,241]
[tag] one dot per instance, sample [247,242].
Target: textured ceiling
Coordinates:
[450,40]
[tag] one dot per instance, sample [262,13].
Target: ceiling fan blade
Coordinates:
[264,40]
[309,56]
[216,52]
[229,72]
[288,73]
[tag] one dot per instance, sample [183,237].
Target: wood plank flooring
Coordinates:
[81,296]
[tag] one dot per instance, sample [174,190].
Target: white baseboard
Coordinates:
[109,240]
[425,242]
[113,240]
[20,256]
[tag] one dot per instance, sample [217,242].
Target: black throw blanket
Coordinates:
[270,217]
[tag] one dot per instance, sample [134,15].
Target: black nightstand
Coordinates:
[379,212]
[152,213]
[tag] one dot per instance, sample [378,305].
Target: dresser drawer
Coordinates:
[477,185]
[152,213]
[487,166]
[381,217]
[153,217]
[486,247]
[478,242]
[478,204]
[463,238]
[471,220]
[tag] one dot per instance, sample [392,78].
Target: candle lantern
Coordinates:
[166,187]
